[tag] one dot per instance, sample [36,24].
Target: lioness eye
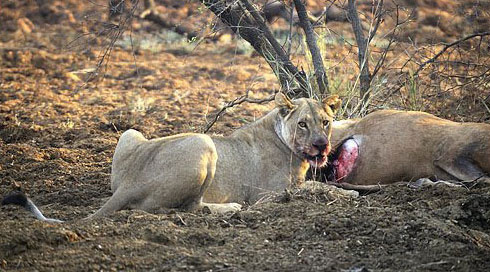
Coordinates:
[325,123]
[302,124]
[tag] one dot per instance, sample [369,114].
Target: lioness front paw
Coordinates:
[234,207]
[223,208]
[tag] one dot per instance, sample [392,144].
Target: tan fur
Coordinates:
[399,145]
[189,171]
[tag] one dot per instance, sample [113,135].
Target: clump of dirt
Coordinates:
[58,133]
[476,212]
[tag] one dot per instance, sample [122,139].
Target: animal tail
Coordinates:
[20,199]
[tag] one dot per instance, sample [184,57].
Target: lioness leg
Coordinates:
[191,189]
[119,200]
[187,192]
[180,181]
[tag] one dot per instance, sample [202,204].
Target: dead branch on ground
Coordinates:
[363,189]
[154,16]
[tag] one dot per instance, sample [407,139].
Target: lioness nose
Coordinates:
[320,143]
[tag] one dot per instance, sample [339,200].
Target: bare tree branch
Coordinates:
[378,17]
[320,75]
[112,33]
[477,72]
[290,34]
[448,46]
[392,34]
[244,19]
[234,102]
[265,29]
[362,45]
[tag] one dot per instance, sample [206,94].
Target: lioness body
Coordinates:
[237,167]
[189,171]
[399,145]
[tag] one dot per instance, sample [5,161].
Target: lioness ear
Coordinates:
[284,103]
[332,104]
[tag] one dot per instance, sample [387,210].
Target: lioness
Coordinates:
[189,171]
[389,145]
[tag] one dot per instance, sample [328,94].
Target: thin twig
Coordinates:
[448,46]
[115,32]
[237,101]
[382,59]
[378,17]
[290,37]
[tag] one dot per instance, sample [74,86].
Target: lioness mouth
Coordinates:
[317,161]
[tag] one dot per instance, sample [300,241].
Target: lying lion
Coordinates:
[190,171]
[388,146]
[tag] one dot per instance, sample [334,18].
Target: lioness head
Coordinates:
[304,125]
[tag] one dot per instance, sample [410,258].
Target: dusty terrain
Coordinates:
[58,132]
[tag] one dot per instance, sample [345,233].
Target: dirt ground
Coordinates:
[58,132]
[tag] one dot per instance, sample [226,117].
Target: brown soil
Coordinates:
[58,133]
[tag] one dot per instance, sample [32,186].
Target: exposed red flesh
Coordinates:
[344,163]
